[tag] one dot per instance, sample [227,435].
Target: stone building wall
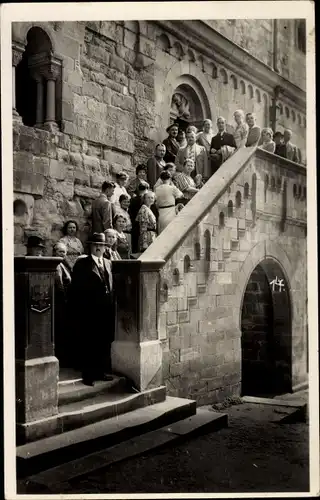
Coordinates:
[204,280]
[256,36]
[107,112]
[118,79]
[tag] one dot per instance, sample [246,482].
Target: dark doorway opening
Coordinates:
[266,333]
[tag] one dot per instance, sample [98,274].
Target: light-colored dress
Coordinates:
[205,140]
[74,249]
[147,227]
[128,227]
[166,196]
[269,146]
[241,134]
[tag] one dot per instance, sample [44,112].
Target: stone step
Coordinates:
[287,410]
[81,413]
[73,390]
[56,479]
[51,451]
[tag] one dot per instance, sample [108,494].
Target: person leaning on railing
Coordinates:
[187,185]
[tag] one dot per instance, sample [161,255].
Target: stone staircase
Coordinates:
[92,418]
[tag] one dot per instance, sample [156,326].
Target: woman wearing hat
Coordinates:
[92,307]
[171,143]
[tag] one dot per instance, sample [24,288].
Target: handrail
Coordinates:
[172,236]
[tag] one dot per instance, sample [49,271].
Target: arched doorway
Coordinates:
[266,332]
[186,108]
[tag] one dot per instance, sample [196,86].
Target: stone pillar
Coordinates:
[51,74]
[39,110]
[17,52]
[37,368]
[136,350]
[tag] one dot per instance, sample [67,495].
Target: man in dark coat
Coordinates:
[287,149]
[102,208]
[171,144]
[222,138]
[92,307]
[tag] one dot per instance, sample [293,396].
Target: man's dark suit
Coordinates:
[92,309]
[172,148]
[222,140]
[217,142]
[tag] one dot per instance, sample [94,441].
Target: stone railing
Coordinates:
[252,209]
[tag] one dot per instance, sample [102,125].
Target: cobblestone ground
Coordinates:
[251,455]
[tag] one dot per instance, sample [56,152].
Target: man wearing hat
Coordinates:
[35,246]
[171,143]
[92,306]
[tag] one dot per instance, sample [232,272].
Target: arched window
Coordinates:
[177,50]
[293,116]
[280,108]
[266,184]
[223,75]
[197,250]
[258,95]
[186,264]
[234,81]
[246,190]
[286,109]
[238,199]
[163,43]
[207,239]
[294,190]
[214,72]
[250,91]
[19,208]
[221,220]
[230,208]
[39,83]
[176,276]
[273,184]
[301,35]
[191,55]
[242,87]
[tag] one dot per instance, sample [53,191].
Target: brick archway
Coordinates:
[266,332]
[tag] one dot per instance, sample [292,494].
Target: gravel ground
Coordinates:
[251,455]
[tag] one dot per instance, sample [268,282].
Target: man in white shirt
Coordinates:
[92,308]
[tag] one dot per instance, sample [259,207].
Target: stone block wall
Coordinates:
[204,279]
[256,36]
[221,91]
[118,79]
[107,115]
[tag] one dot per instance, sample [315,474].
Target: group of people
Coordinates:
[126,217]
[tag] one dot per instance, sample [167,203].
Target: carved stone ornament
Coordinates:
[180,106]
[40,300]
[44,64]
[17,52]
